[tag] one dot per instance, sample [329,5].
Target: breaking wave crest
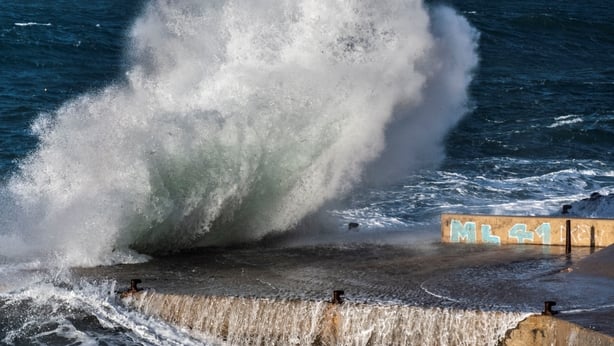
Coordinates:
[238,118]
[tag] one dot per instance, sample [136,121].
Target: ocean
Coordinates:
[133,132]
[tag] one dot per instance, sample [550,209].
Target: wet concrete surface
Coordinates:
[510,278]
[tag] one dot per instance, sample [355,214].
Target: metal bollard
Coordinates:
[337,299]
[133,289]
[548,304]
[566,208]
[133,284]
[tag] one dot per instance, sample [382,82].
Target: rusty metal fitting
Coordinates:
[548,304]
[337,297]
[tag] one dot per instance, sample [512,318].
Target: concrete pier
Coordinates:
[419,293]
[259,321]
[538,230]
[548,330]
[270,321]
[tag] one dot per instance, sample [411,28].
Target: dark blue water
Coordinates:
[544,85]
[51,52]
[114,126]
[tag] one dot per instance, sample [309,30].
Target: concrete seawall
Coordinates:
[256,321]
[423,294]
[259,321]
[548,330]
[498,229]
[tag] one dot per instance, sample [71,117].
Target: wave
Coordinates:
[67,311]
[566,120]
[32,24]
[236,120]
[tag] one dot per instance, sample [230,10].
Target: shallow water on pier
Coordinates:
[445,280]
[425,274]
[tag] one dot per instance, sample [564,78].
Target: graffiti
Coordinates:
[519,231]
[543,231]
[488,237]
[467,232]
[586,234]
[526,230]
[581,234]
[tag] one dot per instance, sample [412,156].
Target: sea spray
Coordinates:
[65,311]
[292,322]
[236,119]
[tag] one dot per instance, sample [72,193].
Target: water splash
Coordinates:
[270,321]
[64,311]
[237,119]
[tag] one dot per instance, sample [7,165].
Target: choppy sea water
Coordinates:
[148,127]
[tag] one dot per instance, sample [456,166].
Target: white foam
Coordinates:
[581,310]
[597,206]
[32,24]
[54,306]
[566,120]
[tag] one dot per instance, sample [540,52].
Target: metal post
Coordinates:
[133,284]
[133,289]
[548,304]
[568,237]
[337,297]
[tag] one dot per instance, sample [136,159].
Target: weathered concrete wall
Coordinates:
[547,330]
[498,229]
[254,321]
[258,321]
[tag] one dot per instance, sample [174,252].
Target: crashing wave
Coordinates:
[238,119]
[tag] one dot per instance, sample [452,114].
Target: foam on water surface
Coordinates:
[59,310]
[32,24]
